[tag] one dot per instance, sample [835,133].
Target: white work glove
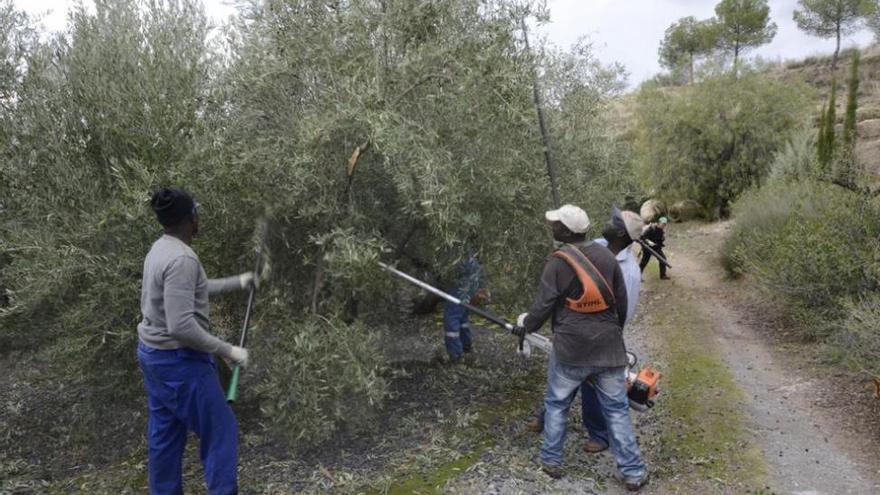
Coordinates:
[519,330]
[247,279]
[238,355]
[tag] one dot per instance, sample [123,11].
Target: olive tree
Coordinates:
[358,130]
[712,141]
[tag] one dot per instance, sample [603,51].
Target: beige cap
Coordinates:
[634,224]
[571,216]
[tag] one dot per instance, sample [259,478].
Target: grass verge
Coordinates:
[703,440]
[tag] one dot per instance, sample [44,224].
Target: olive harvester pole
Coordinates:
[232,392]
[641,384]
[526,344]
[539,108]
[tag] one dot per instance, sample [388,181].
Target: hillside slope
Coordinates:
[816,71]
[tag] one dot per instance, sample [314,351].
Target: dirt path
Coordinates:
[807,447]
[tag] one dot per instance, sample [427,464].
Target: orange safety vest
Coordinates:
[597,296]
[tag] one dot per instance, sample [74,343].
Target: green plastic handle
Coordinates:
[232,393]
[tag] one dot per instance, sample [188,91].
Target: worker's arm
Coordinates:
[179,300]
[620,297]
[549,291]
[229,284]
[482,295]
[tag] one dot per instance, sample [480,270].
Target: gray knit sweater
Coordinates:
[174,299]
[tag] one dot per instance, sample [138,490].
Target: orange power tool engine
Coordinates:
[641,385]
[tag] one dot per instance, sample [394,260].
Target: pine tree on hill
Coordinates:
[831,18]
[743,25]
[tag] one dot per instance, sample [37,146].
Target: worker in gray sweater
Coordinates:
[176,354]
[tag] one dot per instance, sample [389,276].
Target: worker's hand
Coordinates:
[650,243]
[521,320]
[238,355]
[265,271]
[481,297]
[248,280]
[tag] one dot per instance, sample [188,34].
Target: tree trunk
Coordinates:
[836,50]
[736,60]
[691,70]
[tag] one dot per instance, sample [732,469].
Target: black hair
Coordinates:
[173,206]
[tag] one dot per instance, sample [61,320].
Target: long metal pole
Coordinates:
[232,392]
[539,107]
[533,339]
[647,248]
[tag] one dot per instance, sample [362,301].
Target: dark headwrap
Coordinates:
[172,206]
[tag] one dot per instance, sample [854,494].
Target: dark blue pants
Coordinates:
[646,257]
[184,394]
[592,416]
[456,329]
[594,421]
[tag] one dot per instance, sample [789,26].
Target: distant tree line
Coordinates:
[742,25]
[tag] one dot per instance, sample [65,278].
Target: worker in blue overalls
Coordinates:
[176,354]
[469,287]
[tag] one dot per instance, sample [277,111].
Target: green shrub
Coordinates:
[856,340]
[797,158]
[808,247]
[711,141]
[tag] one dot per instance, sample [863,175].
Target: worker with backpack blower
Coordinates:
[654,235]
[176,355]
[583,293]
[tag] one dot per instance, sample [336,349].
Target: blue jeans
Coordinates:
[610,385]
[184,393]
[456,330]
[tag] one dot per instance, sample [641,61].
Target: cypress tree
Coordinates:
[845,160]
[827,135]
[820,142]
[830,131]
[852,104]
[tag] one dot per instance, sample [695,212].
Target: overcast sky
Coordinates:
[625,31]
